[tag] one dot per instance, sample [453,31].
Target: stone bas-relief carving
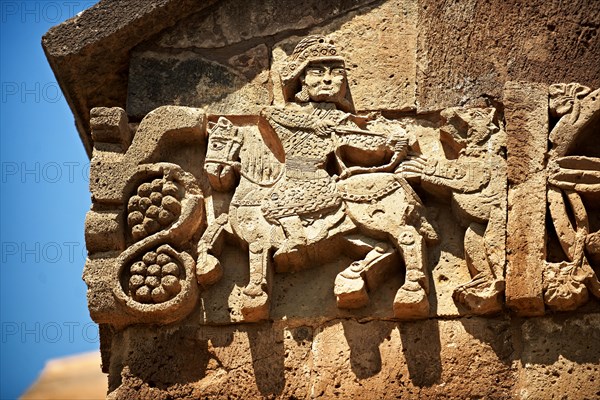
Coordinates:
[291,206]
[573,197]
[476,183]
[372,237]
[396,217]
[300,186]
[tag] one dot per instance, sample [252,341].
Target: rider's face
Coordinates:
[326,81]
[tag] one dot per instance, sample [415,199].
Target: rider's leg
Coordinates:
[294,232]
[351,284]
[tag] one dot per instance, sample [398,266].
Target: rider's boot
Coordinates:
[289,251]
[350,289]
[353,283]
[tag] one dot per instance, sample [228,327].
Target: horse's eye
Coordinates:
[217,145]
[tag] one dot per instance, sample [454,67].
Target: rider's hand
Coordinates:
[322,126]
[413,167]
[398,144]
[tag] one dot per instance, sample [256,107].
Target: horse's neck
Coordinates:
[259,166]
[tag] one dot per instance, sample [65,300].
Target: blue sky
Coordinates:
[43,200]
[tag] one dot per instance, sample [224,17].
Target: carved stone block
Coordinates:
[526,113]
[104,231]
[343,199]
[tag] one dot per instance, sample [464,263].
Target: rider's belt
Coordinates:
[305,168]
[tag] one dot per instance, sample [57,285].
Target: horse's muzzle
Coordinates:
[221,177]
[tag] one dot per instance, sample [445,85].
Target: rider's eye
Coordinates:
[338,71]
[315,71]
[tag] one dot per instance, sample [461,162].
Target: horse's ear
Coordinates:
[224,122]
[211,125]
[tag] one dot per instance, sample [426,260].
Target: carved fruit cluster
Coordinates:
[154,279]
[155,206]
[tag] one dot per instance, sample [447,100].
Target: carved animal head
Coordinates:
[467,128]
[222,154]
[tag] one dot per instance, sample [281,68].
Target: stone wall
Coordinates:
[428,228]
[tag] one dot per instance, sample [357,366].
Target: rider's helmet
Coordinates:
[311,49]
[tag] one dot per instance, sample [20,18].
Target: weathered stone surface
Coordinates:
[560,358]
[97,44]
[187,79]
[104,231]
[469,49]
[292,183]
[466,358]
[458,61]
[234,21]
[382,73]
[111,171]
[536,359]
[109,125]
[526,114]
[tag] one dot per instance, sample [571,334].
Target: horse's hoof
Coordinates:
[256,309]
[208,270]
[410,303]
[350,292]
[253,290]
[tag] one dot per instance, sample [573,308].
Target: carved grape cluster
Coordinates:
[155,206]
[154,279]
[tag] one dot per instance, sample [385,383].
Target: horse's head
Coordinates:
[222,155]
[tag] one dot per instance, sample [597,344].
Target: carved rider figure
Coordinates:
[309,179]
[314,78]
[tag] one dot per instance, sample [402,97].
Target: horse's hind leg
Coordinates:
[256,302]
[411,299]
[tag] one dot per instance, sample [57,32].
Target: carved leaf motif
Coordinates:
[564,287]
[564,98]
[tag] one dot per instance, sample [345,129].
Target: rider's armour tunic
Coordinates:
[306,187]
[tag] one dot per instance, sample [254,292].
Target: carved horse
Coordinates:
[381,207]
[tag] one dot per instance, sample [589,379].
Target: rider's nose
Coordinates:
[327,78]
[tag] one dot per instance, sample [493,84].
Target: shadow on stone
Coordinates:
[495,332]
[574,337]
[268,353]
[364,341]
[422,351]
[159,357]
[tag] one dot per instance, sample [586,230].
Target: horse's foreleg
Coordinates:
[256,302]
[210,245]
[411,299]
[258,271]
